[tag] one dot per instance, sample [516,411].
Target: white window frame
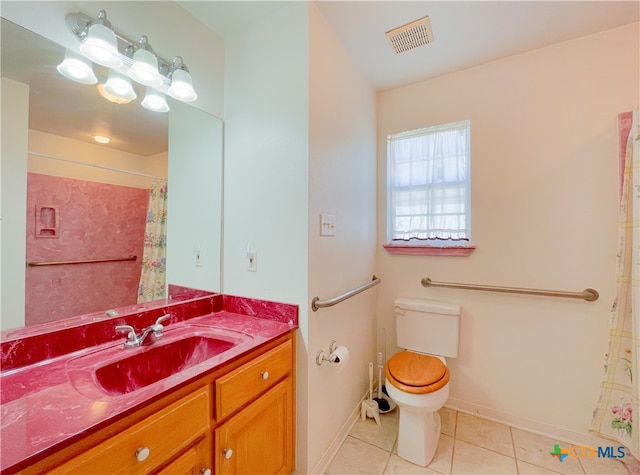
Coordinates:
[431,245]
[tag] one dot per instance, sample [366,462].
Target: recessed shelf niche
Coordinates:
[47,220]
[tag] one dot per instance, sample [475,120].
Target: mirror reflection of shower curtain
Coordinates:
[154,259]
[618,406]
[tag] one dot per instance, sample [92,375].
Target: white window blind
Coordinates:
[429,185]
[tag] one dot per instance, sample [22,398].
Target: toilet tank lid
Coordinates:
[427,306]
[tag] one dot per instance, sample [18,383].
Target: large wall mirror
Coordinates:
[92,202]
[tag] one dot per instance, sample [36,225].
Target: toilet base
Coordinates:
[418,436]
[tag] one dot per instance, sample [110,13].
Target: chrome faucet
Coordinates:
[134,340]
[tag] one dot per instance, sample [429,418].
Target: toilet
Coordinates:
[417,378]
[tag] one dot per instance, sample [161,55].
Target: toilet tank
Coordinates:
[427,326]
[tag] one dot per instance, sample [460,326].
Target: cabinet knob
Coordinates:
[264,375]
[142,454]
[227,453]
[205,471]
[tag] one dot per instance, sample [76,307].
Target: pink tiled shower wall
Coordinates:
[93,221]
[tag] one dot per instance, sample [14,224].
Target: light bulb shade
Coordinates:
[181,87]
[77,68]
[101,46]
[145,68]
[120,86]
[155,101]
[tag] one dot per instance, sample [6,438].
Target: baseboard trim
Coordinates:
[541,428]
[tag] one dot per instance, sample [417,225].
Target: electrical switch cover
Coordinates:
[327,225]
[253,261]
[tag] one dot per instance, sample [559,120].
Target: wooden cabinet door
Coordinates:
[260,438]
[195,460]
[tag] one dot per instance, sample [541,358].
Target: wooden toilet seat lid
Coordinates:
[415,373]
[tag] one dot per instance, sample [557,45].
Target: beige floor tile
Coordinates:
[399,466]
[603,466]
[383,435]
[448,418]
[536,449]
[484,433]
[358,457]
[471,459]
[441,462]
[525,468]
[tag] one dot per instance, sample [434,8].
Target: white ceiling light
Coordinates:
[155,101]
[77,68]
[102,139]
[145,65]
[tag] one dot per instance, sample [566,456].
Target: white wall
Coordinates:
[300,141]
[544,207]
[267,170]
[91,154]
[194,221]
[13,190]
[342,171]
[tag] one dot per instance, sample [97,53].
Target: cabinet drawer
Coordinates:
[164,434]
[244,384]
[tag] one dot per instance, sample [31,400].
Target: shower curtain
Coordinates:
[154,262]
[618,406]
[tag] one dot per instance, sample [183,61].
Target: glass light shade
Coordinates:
[145,68]
[120,86]
[101,46]
[111,97]
[77,68]
[155,101]
[181,86]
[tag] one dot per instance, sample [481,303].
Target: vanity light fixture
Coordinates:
[181,83]
[99,42]
[108,96]
[144,69]
[77,68]
[120,86]
[128,59]
[155,101]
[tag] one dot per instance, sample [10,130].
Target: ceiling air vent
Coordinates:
[410,36]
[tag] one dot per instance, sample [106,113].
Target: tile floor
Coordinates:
[468,445]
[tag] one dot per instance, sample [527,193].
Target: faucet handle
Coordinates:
[163,318]
[130,331]
[157,327]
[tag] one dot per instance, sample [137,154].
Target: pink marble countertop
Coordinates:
[44,407]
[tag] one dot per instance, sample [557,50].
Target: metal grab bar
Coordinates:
[86,261]
[590,295]
[316,303]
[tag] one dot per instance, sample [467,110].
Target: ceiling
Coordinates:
[466,33]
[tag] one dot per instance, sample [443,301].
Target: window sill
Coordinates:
[403,250]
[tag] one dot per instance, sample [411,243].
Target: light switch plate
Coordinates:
[327,225]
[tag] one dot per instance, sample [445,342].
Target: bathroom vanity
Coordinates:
[104,408]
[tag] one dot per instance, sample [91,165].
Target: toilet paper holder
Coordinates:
[332,358]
